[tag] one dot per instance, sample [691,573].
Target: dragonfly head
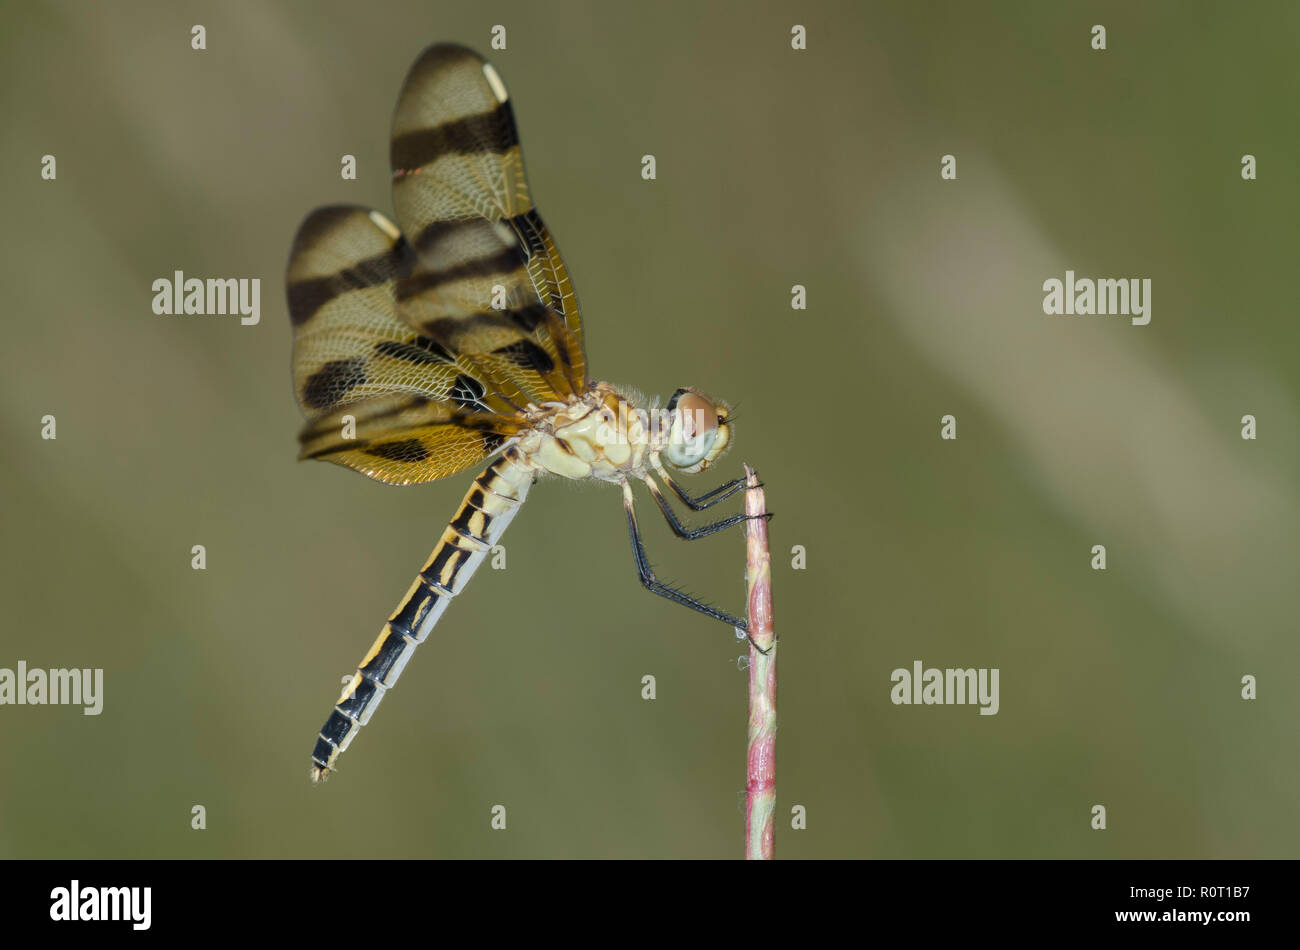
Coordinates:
[699,431]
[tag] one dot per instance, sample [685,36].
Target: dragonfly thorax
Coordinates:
[599,434]
[604,434]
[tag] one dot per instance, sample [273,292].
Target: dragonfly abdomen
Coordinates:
[479,523]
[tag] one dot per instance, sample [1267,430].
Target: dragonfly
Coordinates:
[453,337]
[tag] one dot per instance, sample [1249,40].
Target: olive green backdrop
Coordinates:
[775,168]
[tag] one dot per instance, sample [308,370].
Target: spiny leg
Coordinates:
[708,499]
[679,529]
[652,584]
[649,580]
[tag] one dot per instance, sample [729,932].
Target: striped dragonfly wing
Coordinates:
[379,397]
[481,520]
[489,282]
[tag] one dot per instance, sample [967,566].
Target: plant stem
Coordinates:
[760,777]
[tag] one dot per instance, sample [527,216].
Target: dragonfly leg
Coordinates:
[692,534]
[656,586]
[708,499]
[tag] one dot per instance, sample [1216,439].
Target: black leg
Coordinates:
[655,586]
[692,534]
[708,499]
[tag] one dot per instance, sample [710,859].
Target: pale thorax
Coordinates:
[596,435]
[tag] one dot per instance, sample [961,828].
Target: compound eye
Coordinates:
[699,416]
[695,421]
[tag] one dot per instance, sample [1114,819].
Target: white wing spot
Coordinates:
[505,234]
[498,87]
[385,225]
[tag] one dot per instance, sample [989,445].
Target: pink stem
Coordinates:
[760,778]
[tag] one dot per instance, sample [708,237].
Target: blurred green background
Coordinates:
[924,298]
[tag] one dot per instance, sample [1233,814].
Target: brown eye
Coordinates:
[698,433]
[696,413]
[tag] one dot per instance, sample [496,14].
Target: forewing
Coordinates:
[489,282]
[379,397]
